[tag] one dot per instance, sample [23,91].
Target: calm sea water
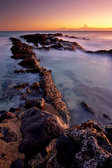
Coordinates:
[79,76]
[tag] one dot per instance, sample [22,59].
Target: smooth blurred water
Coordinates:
[79,76]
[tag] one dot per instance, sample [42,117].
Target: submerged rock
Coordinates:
[101,52]
[87,107]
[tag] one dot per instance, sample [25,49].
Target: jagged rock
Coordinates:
[52,41]
[57,46]
[40,159]
[38,129]
[35,85]
[6,115]
[53,95]
[81,146]
[30,63]
[19,48]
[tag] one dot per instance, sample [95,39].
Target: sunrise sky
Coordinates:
[55,14]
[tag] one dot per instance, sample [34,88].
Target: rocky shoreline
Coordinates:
[38,133]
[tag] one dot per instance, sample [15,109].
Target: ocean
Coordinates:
[79,76]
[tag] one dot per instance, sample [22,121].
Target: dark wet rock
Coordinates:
[106,117]
[53,95]
[31,63]
[87,107]
[58,34]
[37,102]
[57,46]
[23,56]
[19,71]
[90,147]
[20,48]
[101,52]
[21,85]
[52,41]
[81,146]
[71,36]
[35,85]
[36,38]
[40,159]
[74,37]
[108,132]
[44,48]
[19,163]
[38,129]
[2,113]
[6,115]
[12,110]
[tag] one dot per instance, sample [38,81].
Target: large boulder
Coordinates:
[38,129]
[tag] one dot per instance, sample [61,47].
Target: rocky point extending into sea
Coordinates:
[38,134]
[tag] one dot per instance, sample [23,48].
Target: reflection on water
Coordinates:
[80,76]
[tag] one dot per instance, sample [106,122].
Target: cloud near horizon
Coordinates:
[85,28]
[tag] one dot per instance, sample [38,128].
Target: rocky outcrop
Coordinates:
[48,41]
[38,129]
[53,95]
[21,50]
[81,146]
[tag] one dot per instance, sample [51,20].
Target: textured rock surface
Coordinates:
[53,95]
[38,129]
[82,146]
[10,138]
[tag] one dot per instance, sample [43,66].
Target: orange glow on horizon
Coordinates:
[60,15]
